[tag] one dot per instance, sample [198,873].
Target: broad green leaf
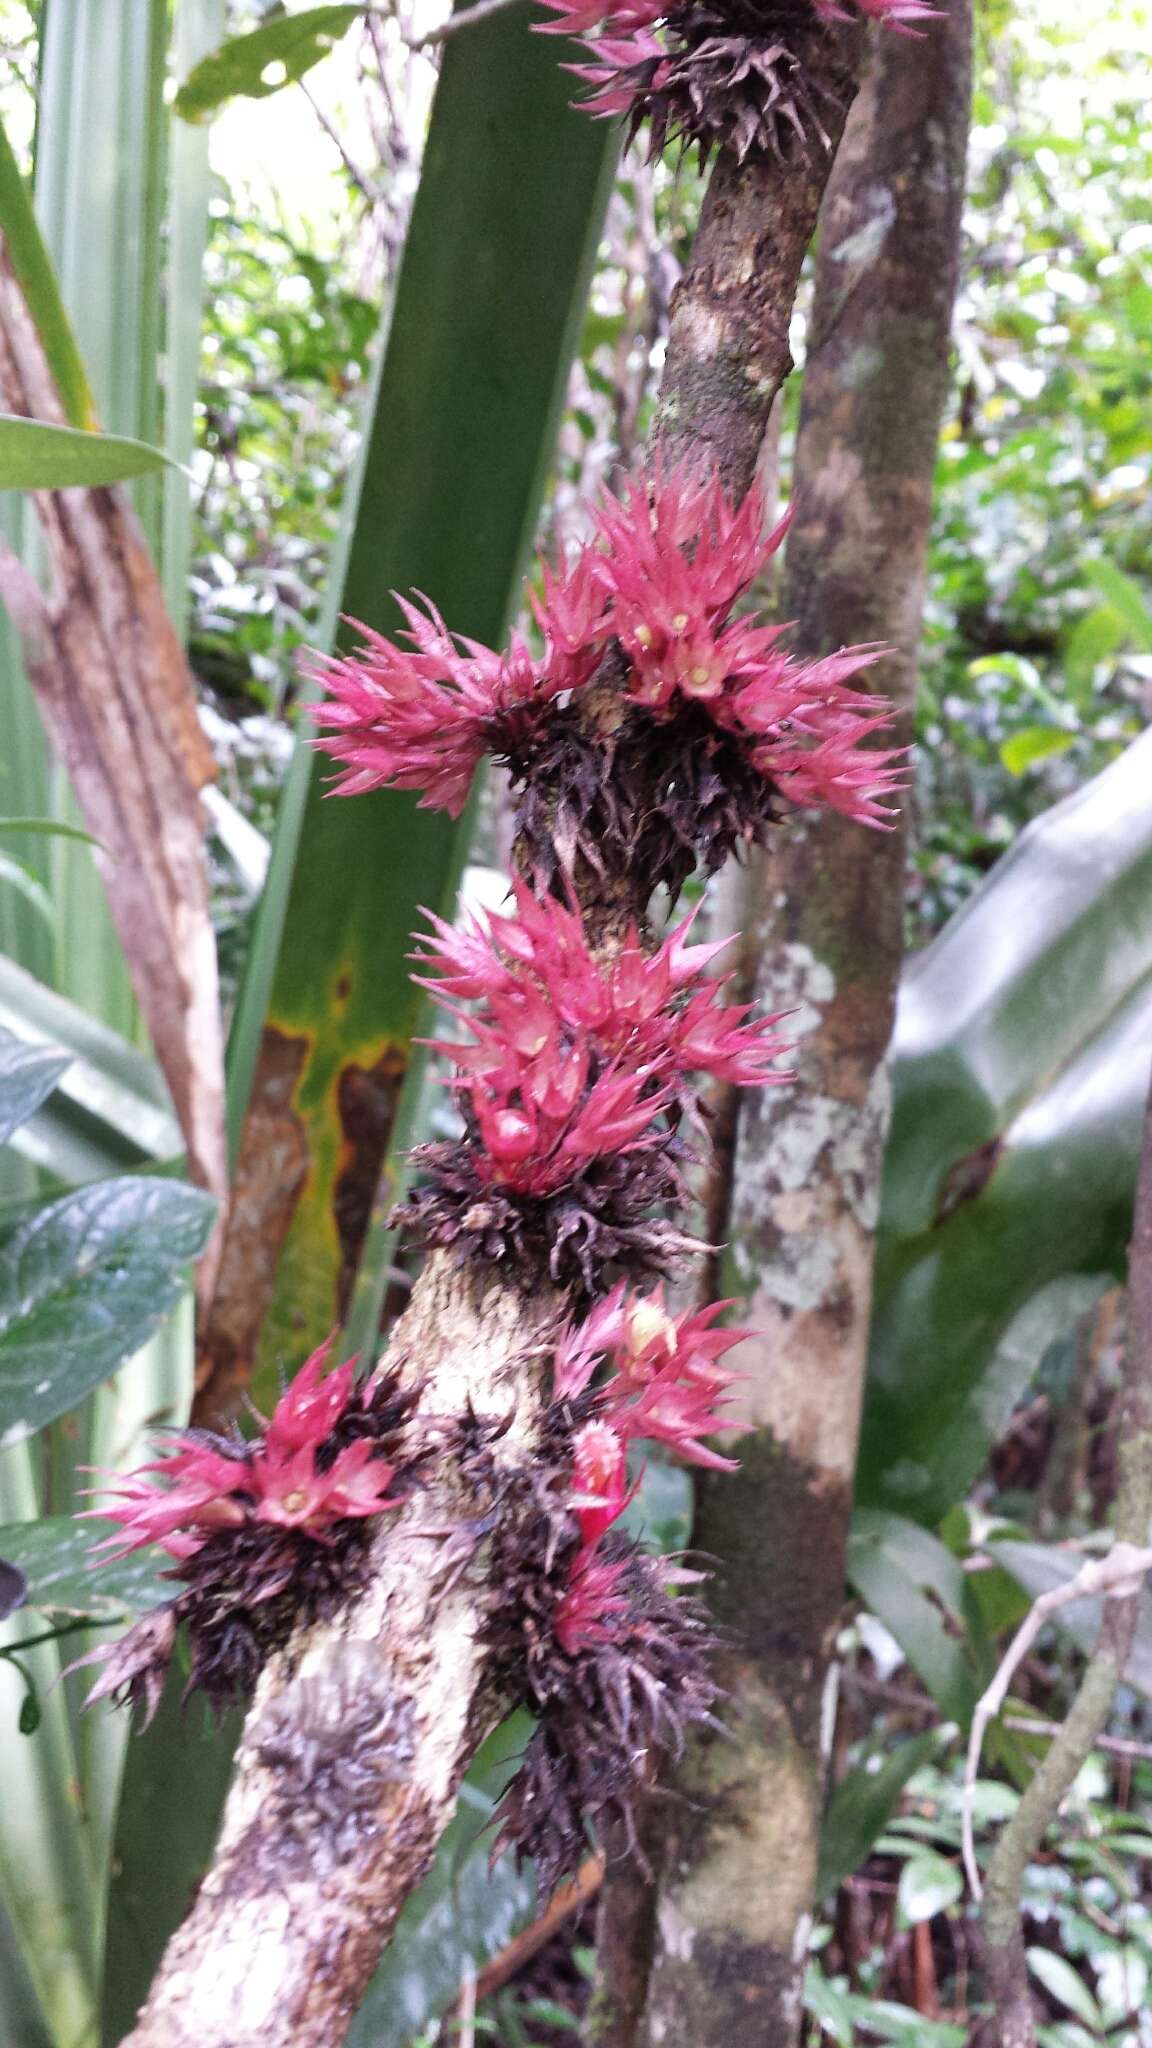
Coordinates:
[35,456]
[1094,636]
[262,60]
[37,279]
[1035,743]
[1126,599]
[463,1913]
[928,1885]
[829,2006]
[901,2024]
[916,1588]
[1062,1983]
[28,1074]
[57,1558]
[862,1805]
[1020,1074]
[82,1287]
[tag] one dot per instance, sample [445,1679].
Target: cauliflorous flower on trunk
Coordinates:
[713,725]
[711,73]
[577,1072]
[263,1534]
[663,1380]
[424,716]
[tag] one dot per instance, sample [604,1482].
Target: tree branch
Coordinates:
[1120,1575]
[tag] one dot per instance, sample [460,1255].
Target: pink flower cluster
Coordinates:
[275,1479]
[574,1055]
[666,1384]
[663,569]
[628,40]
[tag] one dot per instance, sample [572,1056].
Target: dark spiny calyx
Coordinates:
[608,1713]
[653,800]
[606,1220]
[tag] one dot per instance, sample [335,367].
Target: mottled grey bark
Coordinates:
[825,916]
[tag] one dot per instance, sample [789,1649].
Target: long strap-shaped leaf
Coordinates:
[492,284]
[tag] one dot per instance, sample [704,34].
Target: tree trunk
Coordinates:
[825,921]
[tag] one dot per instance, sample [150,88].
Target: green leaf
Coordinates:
[463,1913]
[56,1558]
[1035,743]
[35,456]
[82,1287]
[1126,599]
[28,1074]
[861,1807]
[1094,636]
[914,1586]
[37,279]
[110,1111]
[1062,1983]
[1020,1075]
[49,828]
[25,880]
[929,1884]
[263,60]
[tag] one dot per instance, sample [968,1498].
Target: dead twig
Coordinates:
[1118,1576]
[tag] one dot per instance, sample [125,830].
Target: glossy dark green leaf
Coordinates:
[83,1284]
[55,1556]
[462,1915]
[1021,1070]
[28,1074]
[263,60]
[35,456]
[863,1804]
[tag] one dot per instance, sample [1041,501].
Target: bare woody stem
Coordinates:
[1011,2021]
[728,351]
[321,1843]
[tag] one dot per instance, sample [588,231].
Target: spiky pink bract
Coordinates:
[263,1534]
[664,1379]
[281,1477]
[722,719]
[575,1051]
[424,716]
[579,1068]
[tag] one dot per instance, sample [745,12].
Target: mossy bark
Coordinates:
[825,917]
